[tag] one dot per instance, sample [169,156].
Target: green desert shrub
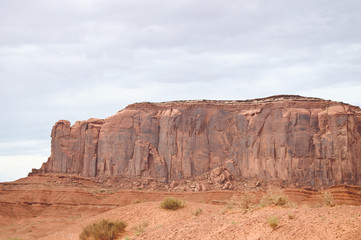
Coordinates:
[273,221]
[103,230]
[171,203]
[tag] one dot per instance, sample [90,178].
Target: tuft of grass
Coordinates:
[245,201]
[139,229]
[231,205]
[136,201]
[197,212]
[328,199]
[101,191]
[103,230]
[158,226]
[274,199]
[171,203]
[237,202]
[273,221]
[73,217]
[291,215]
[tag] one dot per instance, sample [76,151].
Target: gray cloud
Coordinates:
[89,58]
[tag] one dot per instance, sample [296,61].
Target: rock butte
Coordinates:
[292,139]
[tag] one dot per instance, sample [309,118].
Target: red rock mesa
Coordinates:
[294,139]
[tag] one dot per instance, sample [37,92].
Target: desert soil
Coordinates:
[57,208]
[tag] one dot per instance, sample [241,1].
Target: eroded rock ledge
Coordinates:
[293,139]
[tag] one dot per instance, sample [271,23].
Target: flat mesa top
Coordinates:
[275,98]
[271,99]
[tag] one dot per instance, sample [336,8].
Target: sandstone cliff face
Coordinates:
[293,139]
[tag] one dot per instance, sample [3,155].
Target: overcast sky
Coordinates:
[66,59]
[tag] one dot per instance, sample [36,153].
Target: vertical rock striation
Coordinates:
[294,139]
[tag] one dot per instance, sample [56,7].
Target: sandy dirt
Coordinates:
[340,222]
[58,207]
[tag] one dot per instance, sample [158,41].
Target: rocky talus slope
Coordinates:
[289,139]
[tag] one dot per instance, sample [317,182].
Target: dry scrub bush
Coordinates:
[239,202]
[139,229]
[171,203]
[102,191]
[136,201]
[274,199]
[245,201]
[328,199]
[103,230]
[273,221]
[197,212]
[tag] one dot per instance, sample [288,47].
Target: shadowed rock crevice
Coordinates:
[293,139]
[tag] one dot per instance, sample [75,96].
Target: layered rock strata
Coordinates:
[308,141]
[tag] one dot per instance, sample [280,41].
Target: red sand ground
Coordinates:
[58,207]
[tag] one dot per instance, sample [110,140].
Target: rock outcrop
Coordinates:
[293,139]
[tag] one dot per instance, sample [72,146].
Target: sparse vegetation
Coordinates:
[14,238]
[171,203]
[328,199]
[103,230]
[158,226]
[136,201]
[231,205]
[245,201]
[291,215]
[101,191]
[274,199]
[238,202]
[197,212]
[273,221]
[73,217]
[139,229]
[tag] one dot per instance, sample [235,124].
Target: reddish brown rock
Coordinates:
[292,139]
